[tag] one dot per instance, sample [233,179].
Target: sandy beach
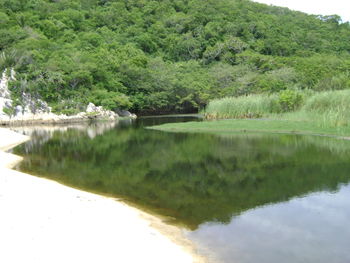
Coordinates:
[43,221]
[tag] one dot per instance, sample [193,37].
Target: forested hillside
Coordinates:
[167,55]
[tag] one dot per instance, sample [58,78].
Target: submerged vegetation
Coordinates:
[167,56]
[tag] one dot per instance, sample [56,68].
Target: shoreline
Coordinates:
[45,221]
[270,126]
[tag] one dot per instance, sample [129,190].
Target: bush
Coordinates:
[338,82]
[290,100]
[9,111]
[68,107]
[110,100]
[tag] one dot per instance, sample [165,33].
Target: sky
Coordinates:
[316,7]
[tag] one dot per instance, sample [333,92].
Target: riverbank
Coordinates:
[255,125]
[44,221]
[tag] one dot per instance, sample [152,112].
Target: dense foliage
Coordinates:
[167,56]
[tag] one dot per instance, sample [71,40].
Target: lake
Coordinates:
[243,198]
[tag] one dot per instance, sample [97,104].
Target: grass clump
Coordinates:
[329,108]
[251,106]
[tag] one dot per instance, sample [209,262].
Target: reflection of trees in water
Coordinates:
[42,133]
[193,178]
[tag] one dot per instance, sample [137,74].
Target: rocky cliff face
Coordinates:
[31,107]
[34,110]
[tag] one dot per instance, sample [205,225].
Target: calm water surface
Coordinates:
[243,198]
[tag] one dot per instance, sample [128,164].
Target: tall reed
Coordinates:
[329,108]
[251,106]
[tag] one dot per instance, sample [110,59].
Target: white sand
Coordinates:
[42,221]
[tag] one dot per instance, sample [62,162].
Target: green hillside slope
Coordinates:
[167,56]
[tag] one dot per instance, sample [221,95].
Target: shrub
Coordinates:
[9,111]
[290,100]
[68,107]
[110,100]
[338,82]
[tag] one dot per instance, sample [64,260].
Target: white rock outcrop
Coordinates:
[5,95]
[35,110]
[100,112]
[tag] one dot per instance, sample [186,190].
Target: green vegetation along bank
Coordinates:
[166,56]
[324,113]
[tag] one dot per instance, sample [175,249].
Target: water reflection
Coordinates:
[248,197]
[42,133]
[308,229]
[194,178]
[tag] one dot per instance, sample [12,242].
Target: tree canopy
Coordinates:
[167,55]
